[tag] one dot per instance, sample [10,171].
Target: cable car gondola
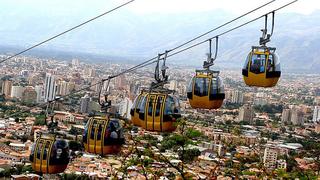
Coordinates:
[206,90]
[49,155]
[156,109]
[103,135]
[262,66]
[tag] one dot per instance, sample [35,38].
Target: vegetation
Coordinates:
[16,170]
[260,123]
[180,142]
[40,120]
[270,135]
[75,146]
[268,108]
[74,131]
[74,176]
[232,106]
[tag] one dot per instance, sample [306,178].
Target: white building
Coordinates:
[16,91]
[84,104]
[63,88]
[261,99]
[124,108]
[281,164]
[237,97]
[49,88]
[173,85]
[270,157]
[293,115]
[316,114]
[40,93]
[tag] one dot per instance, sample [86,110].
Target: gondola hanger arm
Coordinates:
[104,91]
[210,59]
[265,38]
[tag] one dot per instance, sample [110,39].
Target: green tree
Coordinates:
[40,120]
[27,169]
[274,136]
[74,177]
[291,163]
[74,131]
[75,146]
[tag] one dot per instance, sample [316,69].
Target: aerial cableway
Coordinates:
[156,108]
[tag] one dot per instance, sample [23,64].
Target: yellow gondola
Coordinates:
[49,155]
[206,90]
[155,111]
[262,66]
[103,135]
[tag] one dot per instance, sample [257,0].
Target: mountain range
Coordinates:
[132,38]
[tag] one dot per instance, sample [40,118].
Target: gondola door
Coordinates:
[149,113]
[100,126]
[91,136]
[37,156]
[158,114]
[42,156]
[45,159]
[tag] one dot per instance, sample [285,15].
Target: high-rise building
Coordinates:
[182,89]
[247,98]
[29,95]
[16,91]
[40,93]
[316,114]
[237,97]
[286,116]
[63,88]
[96,87]
[49,88]
[270,157]
[120,82]
[317,101]
[228,95]
[90,72]
[24,73]
[6,88]
[297,116]
[124,108]
[84,104]
[293,115]
[246,113]
[75,62]
[173,85]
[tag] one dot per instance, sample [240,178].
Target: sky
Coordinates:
[234,6]
[52,16]
[26,22]
[147,7]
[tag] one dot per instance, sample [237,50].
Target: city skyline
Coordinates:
[121,96]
